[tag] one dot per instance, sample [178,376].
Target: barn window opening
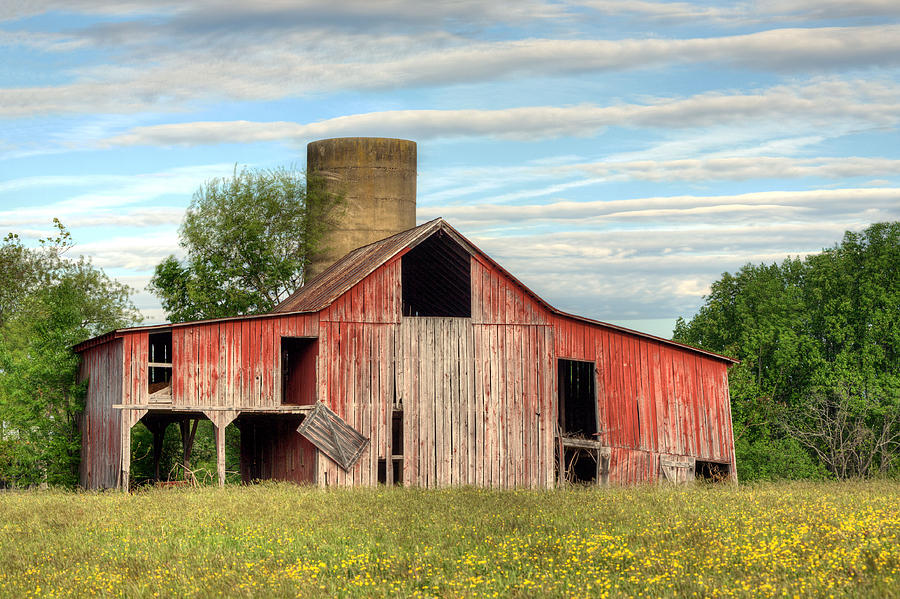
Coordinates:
[577,399]
[436,277]
[711,471]
[298,370]
[159,364]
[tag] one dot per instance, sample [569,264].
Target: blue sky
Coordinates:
[616,156]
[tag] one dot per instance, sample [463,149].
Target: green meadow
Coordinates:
[822,539]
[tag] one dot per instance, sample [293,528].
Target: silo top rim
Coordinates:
[363,138]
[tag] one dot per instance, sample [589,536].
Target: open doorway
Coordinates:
[714,472]
[298,370]
[271,449]
[394,473]
[579,454]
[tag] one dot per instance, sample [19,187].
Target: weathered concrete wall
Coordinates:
[377,177]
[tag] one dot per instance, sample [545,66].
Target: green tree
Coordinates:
[818,387]
[51,302]
[247,241]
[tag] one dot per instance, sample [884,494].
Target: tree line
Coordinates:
[817,392]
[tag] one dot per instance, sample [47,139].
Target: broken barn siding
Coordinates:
[333,437]
[101,366]
[357,380]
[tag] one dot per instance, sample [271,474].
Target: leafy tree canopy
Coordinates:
[48,303]
[248,241]
[818,387]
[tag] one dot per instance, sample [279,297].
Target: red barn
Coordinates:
[439,368]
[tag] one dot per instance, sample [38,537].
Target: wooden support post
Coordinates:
[159,433]
[187,444]
[221,420]
[561,464]
[220,454]
[125,473]
[127,419]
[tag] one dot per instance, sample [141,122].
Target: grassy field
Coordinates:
[279,540]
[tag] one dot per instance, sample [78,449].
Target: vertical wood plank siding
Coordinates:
[358,369]
[101,366]
[226,364]
[458,428]
[271,448]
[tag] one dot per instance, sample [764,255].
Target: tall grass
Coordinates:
[281,540]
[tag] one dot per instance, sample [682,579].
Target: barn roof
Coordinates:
[341,276]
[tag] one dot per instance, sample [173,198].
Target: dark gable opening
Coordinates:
[437,278]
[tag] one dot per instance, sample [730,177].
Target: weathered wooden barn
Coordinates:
[449,369]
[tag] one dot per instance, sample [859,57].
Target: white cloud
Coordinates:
[171,75]
[747,207]
[110,200]
[833,102]
[742,168]
[614,274]
[746,12]
[136,253]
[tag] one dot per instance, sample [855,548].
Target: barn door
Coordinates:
[676,471]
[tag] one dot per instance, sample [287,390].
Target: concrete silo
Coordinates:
[377,178]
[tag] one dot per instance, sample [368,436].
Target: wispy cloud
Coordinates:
[200,15]
[741,168]
[745,12]
[856,103]
[111,200]
[619,274]
[278,69]
[878,203]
